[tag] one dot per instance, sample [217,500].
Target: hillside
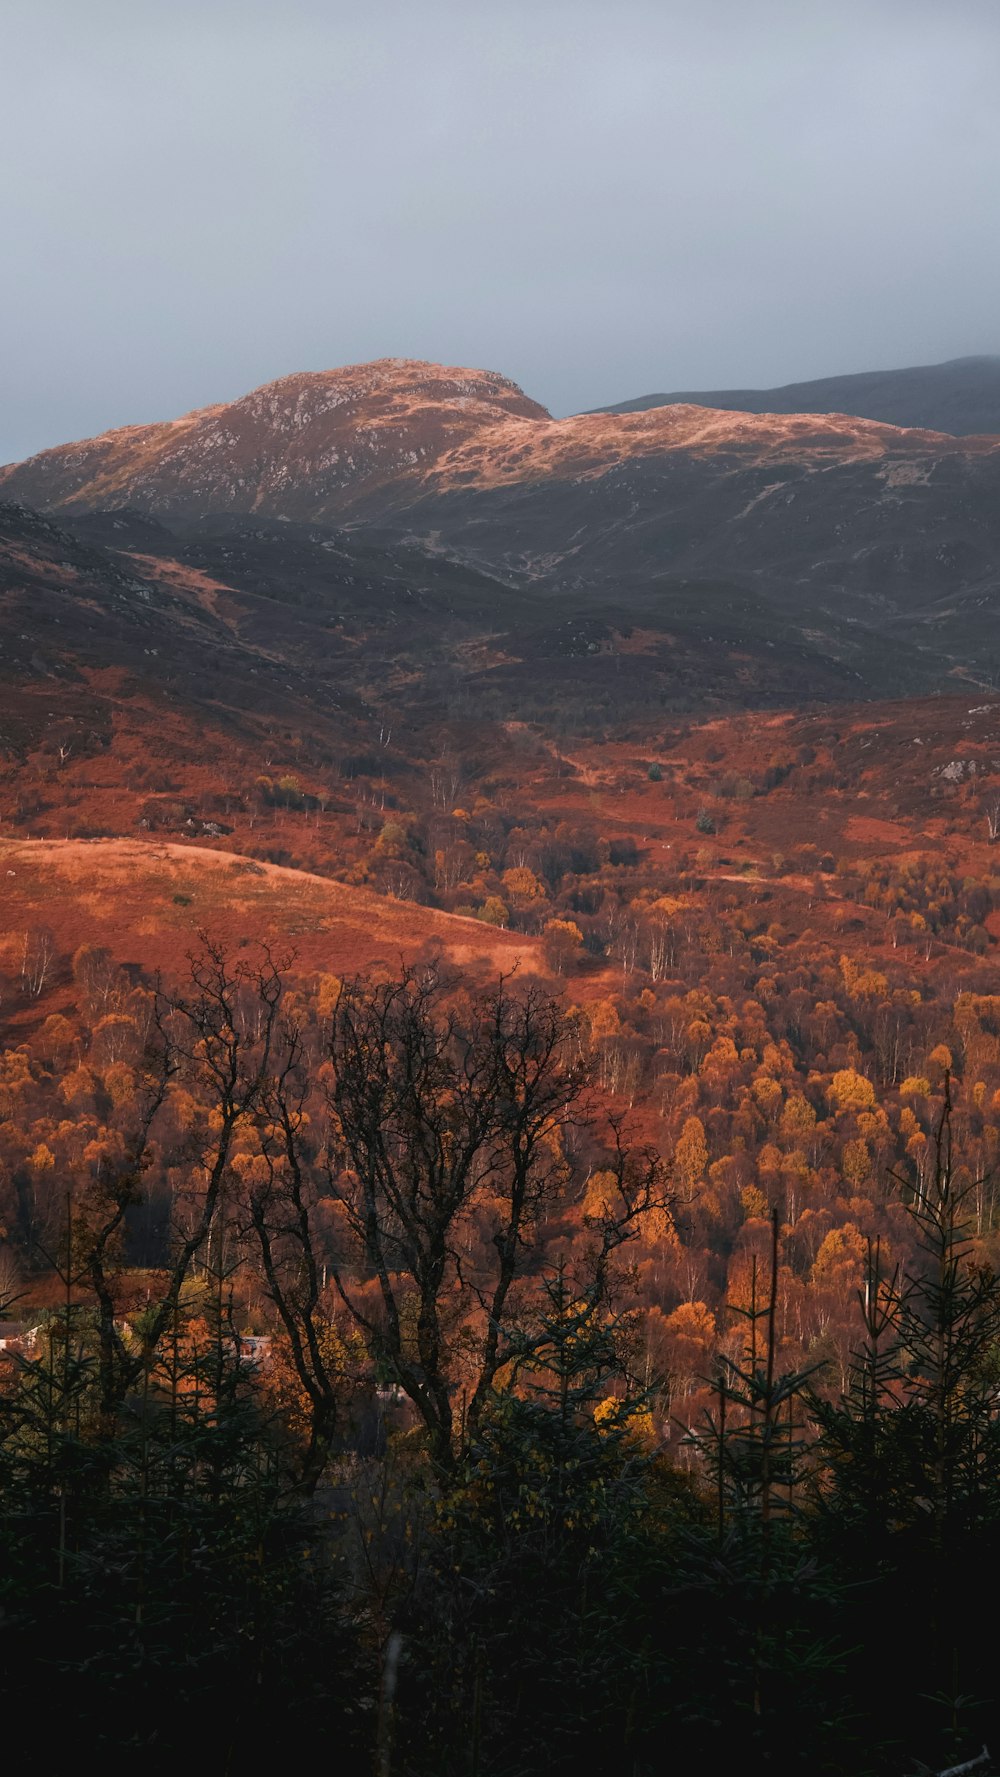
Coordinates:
[961,396]
[832,555]
[148,901]
[175,653]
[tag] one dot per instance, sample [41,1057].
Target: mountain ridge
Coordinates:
[960,396]
[834,533]
[364,440]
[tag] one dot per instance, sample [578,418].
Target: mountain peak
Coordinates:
[313,441]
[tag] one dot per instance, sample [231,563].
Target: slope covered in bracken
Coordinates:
[145,903]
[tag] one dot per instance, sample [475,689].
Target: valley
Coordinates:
[377,754]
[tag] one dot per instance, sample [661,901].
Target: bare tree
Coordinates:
[10,1279]
[662,951]
[448,1158]
[224,1034]
[38,959]
[446,775]
[282,1210]
[220,1038]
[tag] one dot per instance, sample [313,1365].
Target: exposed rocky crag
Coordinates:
[308,446]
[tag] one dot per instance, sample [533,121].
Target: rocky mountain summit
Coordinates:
[308,446]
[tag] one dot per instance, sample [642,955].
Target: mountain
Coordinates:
[795,555]
[961,396]
[306,447]
[373,441]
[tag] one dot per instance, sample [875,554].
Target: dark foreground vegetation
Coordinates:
[337,1438]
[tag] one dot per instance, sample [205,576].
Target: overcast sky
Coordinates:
[598,197]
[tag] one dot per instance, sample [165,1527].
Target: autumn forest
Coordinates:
[509,1275]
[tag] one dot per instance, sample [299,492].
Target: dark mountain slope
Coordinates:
[961,396]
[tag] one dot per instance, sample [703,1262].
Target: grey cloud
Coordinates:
[598,198]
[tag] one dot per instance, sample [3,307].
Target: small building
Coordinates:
[254,1348]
